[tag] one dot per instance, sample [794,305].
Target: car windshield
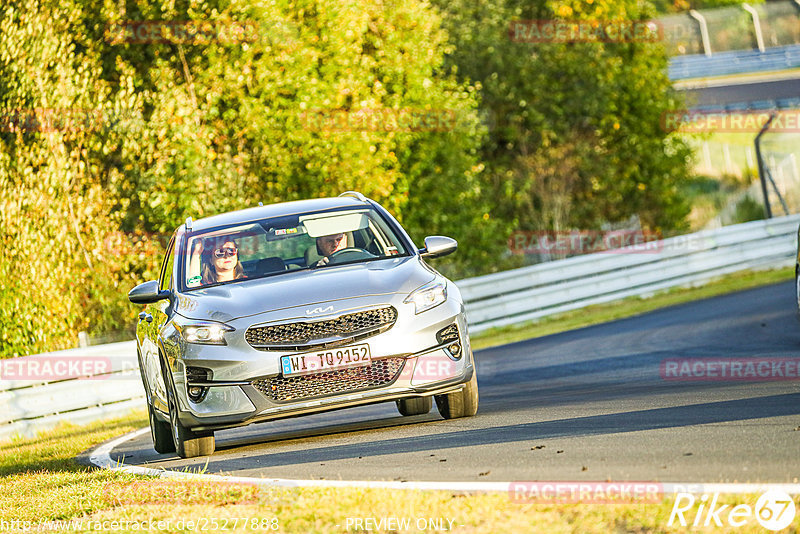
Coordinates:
[278,245]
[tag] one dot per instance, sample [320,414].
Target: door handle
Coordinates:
[144,316]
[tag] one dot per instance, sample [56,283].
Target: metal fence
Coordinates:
[103,380]
[781,153]
[742,27]
[513,297]
[77,385]
[735,62]
[733,40]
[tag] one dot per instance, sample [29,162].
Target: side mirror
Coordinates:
[437,246]
[147,293]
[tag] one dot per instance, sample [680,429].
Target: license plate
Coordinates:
[326,360]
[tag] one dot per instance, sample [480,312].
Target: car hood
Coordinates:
[304,288]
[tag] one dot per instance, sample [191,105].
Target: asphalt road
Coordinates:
[588,404]
[746,92]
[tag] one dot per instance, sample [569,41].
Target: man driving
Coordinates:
[328,244]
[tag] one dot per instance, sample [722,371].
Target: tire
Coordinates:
[462,403]
[414,406]
[797,289]
[160,432]
[188,444]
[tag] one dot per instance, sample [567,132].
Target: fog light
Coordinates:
[197,393]
[453,350]
[194,375]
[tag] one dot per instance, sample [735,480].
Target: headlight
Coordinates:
[203,332]
[428,296]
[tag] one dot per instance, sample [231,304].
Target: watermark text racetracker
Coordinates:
[730,369]
[56,368]
[574,242]
[184,524]
[585,492]
[181,32]
[786,121]
[693,505]
[175,492]
[379,120]
[48,120]
[76,364]
[585,31]
[69,120]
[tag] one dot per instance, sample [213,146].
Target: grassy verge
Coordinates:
[629,307]
[41,482]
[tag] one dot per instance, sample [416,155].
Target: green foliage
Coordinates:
[198,129]
[701,185]
[748,209]
[576,139]
[557,135]
[725,199]
[56,209]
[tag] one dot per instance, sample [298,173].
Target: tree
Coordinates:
[576,139]
[185,126]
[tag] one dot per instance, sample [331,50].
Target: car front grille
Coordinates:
[306,335]
[283,389]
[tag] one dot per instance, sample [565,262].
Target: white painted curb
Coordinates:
[101,457]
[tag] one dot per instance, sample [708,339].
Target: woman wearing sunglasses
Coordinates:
[219,264]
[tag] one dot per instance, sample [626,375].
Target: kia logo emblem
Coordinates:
[319,310]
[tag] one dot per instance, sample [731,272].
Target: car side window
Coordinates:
[166,269]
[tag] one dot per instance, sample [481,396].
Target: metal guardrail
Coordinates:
[735,62]
[521,295]
[103,380]
[77,386]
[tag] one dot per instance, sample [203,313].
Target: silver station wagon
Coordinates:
[298,308]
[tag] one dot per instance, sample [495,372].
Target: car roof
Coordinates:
[275,210]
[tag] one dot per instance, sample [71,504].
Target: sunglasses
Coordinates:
[225,251]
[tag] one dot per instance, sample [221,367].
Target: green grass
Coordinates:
[628,307]
[40,481]
[775,143]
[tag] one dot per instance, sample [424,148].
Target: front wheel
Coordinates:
[797,289]
[462,403]
[188,444]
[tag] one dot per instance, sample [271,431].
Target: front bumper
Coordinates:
[233,400]
[265,412]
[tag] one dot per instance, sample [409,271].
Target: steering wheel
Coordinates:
[350,254]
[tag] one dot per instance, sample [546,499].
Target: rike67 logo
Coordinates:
[774,510]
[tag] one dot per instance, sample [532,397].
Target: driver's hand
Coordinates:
[323,261]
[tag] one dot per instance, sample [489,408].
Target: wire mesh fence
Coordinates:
[781,156]
[733,28]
